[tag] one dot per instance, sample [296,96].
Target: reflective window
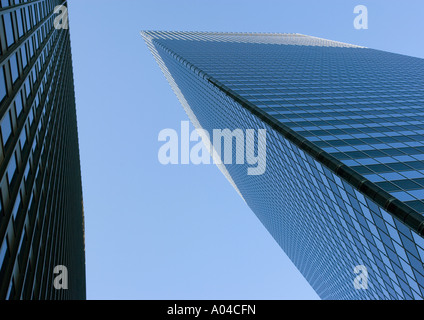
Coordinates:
[11,290]
[4,3]
[20,25]
[6,128]
[17,206]
[23,139]
[3,254]
[9,29]
[3,90]
[24,56]
[11,169]
[14,67]
[18,104]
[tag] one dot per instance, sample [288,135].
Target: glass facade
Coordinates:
[41,211]
[344,180]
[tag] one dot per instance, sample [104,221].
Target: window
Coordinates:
[20,25]
[34,76]
[28,20]
[3,90]
[24,57]
[11,290]
[18,104]
[34,40]
[6,128]
[33,15]
[7,18]
[26,172]
[4,3]
[32,43]
[27,87]
[11,169]
[30,204]
[23,139]
[17,206]
[31,49]
[14,68]
[20,251]
[34,144]
[4,255]
[31,117]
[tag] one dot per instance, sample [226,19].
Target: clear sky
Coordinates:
[182,232]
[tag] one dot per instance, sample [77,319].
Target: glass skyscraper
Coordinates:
[344,180]
[41,209]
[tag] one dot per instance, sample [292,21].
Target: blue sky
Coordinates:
[182,232]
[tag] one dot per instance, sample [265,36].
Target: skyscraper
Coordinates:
[41,212]
[343,190]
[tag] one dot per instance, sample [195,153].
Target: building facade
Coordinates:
[42,252]
[343,190]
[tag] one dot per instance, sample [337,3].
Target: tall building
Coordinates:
[343,189]
[41,212]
